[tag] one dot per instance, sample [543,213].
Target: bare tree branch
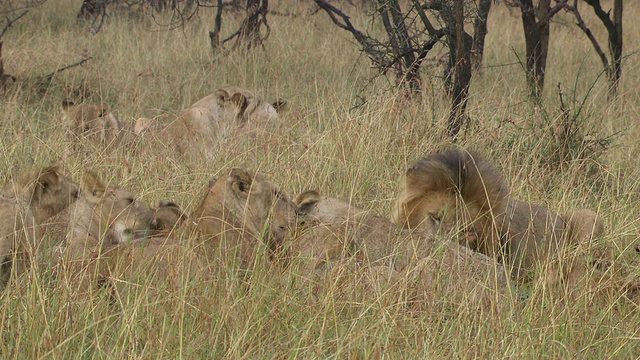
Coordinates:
[581,24]
[10,22]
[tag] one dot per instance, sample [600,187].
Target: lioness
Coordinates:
[334,229]
[36,198]
[89,223]
[202,127]
[243,211]
[92,121]
[239,213]
[452,188]
[167,217]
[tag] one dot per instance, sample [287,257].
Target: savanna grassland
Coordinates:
[345,136]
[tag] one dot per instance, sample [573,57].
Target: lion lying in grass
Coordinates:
[37,197]
[240,215]
[202,127]
[91,121]
[242,212]
[104,214]
[167,217]
[334,230]
[449,189]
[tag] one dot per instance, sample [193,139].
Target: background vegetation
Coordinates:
[346,136]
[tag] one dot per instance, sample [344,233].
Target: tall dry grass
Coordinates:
[343,138]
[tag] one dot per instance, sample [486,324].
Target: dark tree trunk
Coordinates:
[92,9]
[614,29]
[480,33]
[393,21]
[214,36]
[460,44]
[250,28]
[536,34]
[615,46]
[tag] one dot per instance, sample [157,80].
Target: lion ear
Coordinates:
[66,104]
[46,179]
[241,102]
[240,182]
[92,184]
[306,201]
[222,95]
[307,197]
[280,105]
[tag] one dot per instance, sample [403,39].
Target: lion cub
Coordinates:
[242,212]
[24,208]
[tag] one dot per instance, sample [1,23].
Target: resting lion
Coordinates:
[102,215]
[452,189]
[168,216]
[333,230]
[91,121]
[240,213]
[202,127]
[37,197]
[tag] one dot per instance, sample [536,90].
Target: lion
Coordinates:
[243,211]
[454,188]
[201,128]
[333,230]
[92,121]
[167,217]
[36,198]
[239,213]
[101,213]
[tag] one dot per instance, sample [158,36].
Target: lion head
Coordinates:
[245,209]
[453,187]
[91,121]
[103,214]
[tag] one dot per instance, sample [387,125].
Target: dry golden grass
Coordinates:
[332,145]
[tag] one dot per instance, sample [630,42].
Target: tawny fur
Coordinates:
[168,216]
[242,211]
[102,215]
[92,121]
[450,188]
[333,230]
[200,129]
[37,197]
[453,190]
[239,213]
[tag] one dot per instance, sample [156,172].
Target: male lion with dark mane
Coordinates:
[454,189]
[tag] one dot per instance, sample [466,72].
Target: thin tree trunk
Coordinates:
[480,33]
[460,45]
[214,36]
[615,46]
[536,35]
[406,72]
[250,28]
